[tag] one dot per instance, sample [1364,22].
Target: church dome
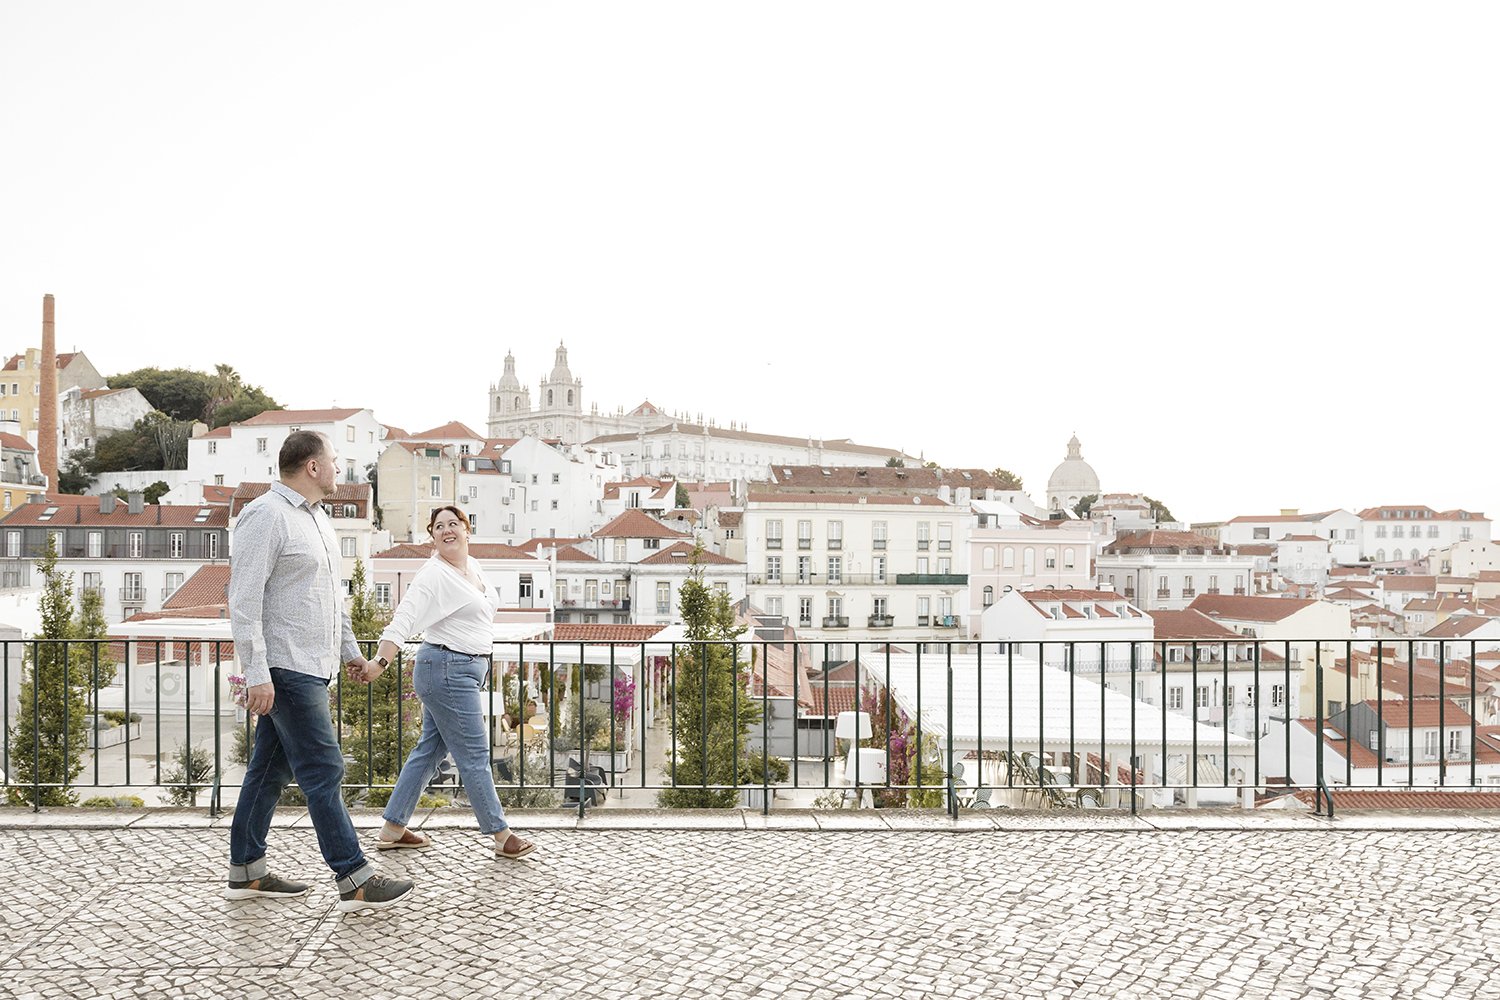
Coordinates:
[1074,477]
[509,380]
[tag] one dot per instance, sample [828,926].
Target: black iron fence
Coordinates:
[951,725]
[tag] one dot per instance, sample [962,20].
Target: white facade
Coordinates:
[1340,527]
[247,451]
[1407,534]
[531,489]
[867,568]
[86,415]
[1009,551]
[1083,617]
[524,583]
[1304,559]
[1468,558]
[1172,581]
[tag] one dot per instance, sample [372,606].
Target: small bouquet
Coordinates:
[237,689]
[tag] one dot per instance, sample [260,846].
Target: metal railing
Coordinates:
[942,725]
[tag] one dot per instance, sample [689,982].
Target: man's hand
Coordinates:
[361,669]
[259,699]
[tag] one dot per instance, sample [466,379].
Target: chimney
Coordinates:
[107,503]
[46,428]
[137,502]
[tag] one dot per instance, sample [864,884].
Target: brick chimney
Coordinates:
[46,428]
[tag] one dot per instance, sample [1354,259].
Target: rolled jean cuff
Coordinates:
[499,829]
[249,871]
[355,879]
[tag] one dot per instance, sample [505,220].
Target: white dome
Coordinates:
[508,380]
[1074,477]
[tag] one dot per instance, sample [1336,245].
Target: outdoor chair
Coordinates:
[981,799]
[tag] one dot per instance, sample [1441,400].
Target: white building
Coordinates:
[1469,558]
[135,555]
[247,451]
[86,415]
[1071,625]
[1010,550]
[523,582]
[1412,533]
[350,512]
[1304,560]
[868,567]
[1394,746]
[1211,673]
[514,491]
[1342,529]
[1167,570]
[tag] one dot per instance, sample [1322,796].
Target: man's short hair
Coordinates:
[298,448]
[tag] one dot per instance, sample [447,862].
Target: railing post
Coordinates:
[1318,737]
[952,796]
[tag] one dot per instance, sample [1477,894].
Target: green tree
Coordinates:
[1082,507]
[1159,511]
[50,736]
[190,768]
[894,463]
[171,438]
[180,393]
[682,496]
[1008,480]
[372,716]
[126,451]
[249,402]
[93,657]
[156,491]
[74,476]
[708,730]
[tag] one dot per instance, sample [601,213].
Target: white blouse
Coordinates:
[447,609]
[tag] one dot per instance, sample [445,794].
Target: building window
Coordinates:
[944,565]
[132,591]
[773,569]
[881,607]
[383,594]
[96,545]
[95,582]
[260,446]
[878,535]
[1028,562]
[1278,695]
[1174,698]
[773,534]
[651,543]
[924,535]
[945,537]
[349,432]
[804,610]
[175,544]
[989,596]
[133,545]
[219,479]
[877,567]
[554,505]
[347,547]
[213,544]
[213,447]
[804,569]
[1067,558]
[663,598]
[804,534]
[835,570]
[1008,558]
[835,534]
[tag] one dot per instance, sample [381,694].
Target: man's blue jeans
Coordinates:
[450,685]
[296,740]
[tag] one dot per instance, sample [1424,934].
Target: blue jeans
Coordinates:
[296,740]
[450,686]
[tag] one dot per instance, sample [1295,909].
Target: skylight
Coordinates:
[46,515]
[203,515]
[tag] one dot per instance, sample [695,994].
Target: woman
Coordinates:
[453,606]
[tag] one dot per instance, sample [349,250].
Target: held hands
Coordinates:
[259,698]
[364,670]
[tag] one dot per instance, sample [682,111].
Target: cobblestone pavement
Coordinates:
[1031,909]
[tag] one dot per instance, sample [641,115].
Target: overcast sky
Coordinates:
[1248,253]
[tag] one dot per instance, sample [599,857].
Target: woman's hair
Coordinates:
[458,513]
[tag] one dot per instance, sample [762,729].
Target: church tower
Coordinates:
[561,400]
[510,402]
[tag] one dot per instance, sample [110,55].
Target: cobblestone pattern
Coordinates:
[611,914]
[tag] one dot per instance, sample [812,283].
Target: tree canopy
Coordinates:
[1008,480]
[217,398]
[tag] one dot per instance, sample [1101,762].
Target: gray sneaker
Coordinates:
[377,893]
[267,885]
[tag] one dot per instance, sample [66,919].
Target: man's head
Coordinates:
[308,464]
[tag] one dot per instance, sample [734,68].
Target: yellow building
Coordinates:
[19,478]
[20,386]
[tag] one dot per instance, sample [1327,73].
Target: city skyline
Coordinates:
[1246,265]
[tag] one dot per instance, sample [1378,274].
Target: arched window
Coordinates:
[1396,555]
[1051,559]
[570,397]
[1067,558]
[1008,558]
[989,557]
[549,397]
[1380,555]
[989,596]
[1028,561]
[517,404]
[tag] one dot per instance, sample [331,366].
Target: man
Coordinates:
[286,613]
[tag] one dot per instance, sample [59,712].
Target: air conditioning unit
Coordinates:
[463,498]
[505,500]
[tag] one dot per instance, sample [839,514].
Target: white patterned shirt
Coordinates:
[286,606]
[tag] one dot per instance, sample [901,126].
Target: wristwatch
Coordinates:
[381,662]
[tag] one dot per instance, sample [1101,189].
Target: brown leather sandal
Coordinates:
[514,848]
[407,841]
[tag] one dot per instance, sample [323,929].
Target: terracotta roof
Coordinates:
[1425,513]
[14,442]
[731,518]
[69,512]
[217,434]
[416,446]
[681,553]
[479,550]
[1247,608]
[1188,625]
[355,493]
[1254,550]
[1345,594]
[391,433]
[278,417]
[697,430]
[534,546]
[1424,713]
[1305,538]
[63,360]
[1489,576]
[566,632]
[569,553]
[1457,626]
[659,487]
[1422,584]
[1272,518]
[450,431]
[636,524]
[218,494]
[206,588]
[873,499]
[1162,541]
[1381,799]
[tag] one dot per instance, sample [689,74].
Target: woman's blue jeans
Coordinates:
[450,686]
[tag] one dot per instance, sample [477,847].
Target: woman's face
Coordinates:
[449,533]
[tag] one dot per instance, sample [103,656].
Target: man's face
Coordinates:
[324,470]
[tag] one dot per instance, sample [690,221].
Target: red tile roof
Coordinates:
[1162,541]
[873,499]
[636,524]
[569,553]
[1389,513]
[452,430]
[1381,799]
[14,442]
[1305,538]
[1035,596]
[792,478]
[355,493]
[1457,626]
[277,417]
[69,511]
[659,487]
[209,587]
[681,554]
[479,550]
[566,632]
[533,546]
[1421,584]
[392,433]
[1254,550]
[1188,625]
[1247,608]
[731,518]
[695,430]
[217,434]
[218,494]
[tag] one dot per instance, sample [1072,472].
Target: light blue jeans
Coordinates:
[450,686]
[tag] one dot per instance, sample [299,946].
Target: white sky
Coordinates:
[1249,253]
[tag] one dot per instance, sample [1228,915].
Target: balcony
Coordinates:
[946,621]
[773,543]
[804,543]
[132,595]
[932,579]
[881,621]
[878,545]
[924,620]
[835,543]
[835,622]
[944,545]
[923,544]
